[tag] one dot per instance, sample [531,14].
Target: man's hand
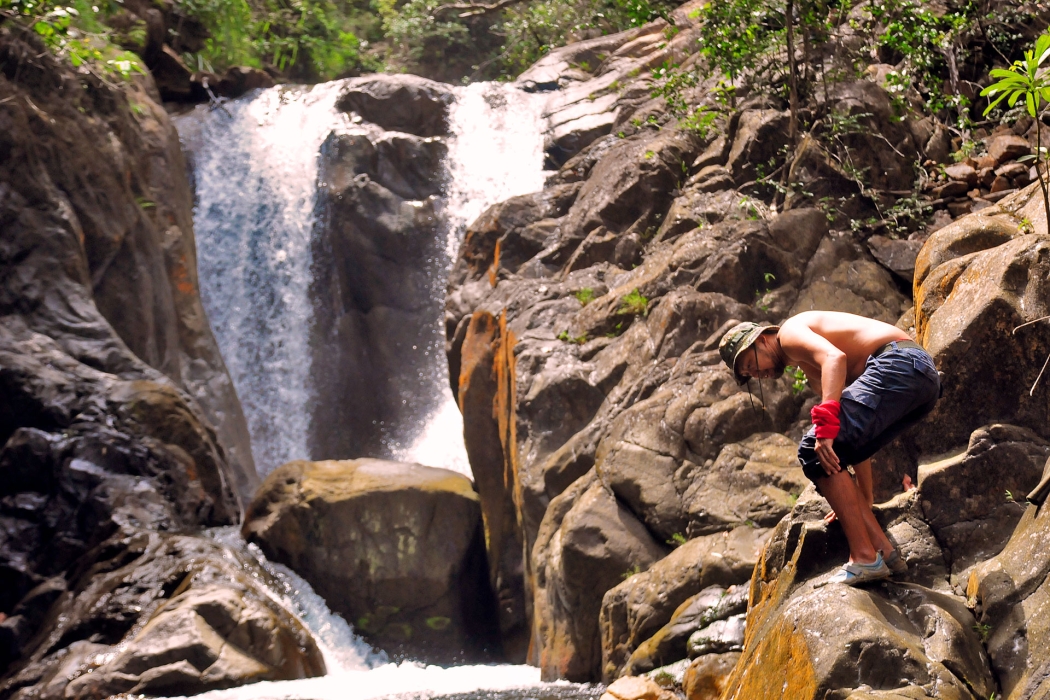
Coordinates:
[828,459]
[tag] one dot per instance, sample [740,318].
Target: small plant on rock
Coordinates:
[799,381]
[634,304]
[677,540]
[584,296]
[1027,79]
[572,340]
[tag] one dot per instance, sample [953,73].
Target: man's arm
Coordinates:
[803,345]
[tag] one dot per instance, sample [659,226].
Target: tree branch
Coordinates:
[473,9]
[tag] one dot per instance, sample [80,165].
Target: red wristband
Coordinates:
[826,419]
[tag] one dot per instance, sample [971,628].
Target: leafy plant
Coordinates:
[1026,79]
[798,378]
[983,630]
[634,304]
[677,540]
[572,340]
[584,296]
[636,569]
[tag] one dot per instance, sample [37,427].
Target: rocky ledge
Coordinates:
[623,473]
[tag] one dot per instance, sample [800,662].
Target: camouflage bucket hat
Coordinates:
[738,339]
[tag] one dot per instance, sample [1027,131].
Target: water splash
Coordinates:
[495,152]
[255,171]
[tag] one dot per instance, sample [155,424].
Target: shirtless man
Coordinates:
[874,382]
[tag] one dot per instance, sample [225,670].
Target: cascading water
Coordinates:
[495,152]
[355,672]
[256,171]
[256,165]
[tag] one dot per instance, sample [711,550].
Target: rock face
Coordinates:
[818,634]
[374,301]
[397,549]
[582,323]
[115,216]
[109,463]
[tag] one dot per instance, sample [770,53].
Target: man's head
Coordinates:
[744,340]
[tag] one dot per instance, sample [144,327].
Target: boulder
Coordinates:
[398,549]
[706,676]
[720,637]
[976,281]
[166,614]
[98,247]
[1005,147]
[638,608]
[588,543]
[669,643]
[373,329]
[637,688]
[896,255]
[1010,593]
[399,102]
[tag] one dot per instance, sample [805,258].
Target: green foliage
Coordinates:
[677,540]
[308,39]
[75,33]
[923,39]
[584,296]
[983,631]
[636,569]
[799,382]
[572,340]
[634,304]
[1026,79]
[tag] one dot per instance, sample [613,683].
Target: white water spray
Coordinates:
[255,169]
[495,152]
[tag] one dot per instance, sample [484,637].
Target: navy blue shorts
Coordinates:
[897,389]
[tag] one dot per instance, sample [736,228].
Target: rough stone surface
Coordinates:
[400,103]
[397,549]
[97,246]
[373,300]
[637,609]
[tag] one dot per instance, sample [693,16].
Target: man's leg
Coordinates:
[864,483]
[847,500]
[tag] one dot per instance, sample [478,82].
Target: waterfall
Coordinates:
[495,151]
[255,166]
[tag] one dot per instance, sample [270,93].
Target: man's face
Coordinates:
[758,362]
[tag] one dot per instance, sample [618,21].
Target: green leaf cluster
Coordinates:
[1026,80]
[74,31]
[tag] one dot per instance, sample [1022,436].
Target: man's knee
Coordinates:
[807,457]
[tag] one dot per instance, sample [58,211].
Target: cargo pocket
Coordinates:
[924,364]
[859,415]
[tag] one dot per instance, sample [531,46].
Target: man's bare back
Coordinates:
[856,336]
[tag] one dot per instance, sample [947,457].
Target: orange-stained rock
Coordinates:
[707,676]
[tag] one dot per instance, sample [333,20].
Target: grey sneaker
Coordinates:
[896,562]
[853,574]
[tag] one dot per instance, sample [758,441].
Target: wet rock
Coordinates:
[396,548]
[399,103]
[719,637]
[374,318]
[638,609]
[98,242]
[238,80]
[669,643]
[189,615]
